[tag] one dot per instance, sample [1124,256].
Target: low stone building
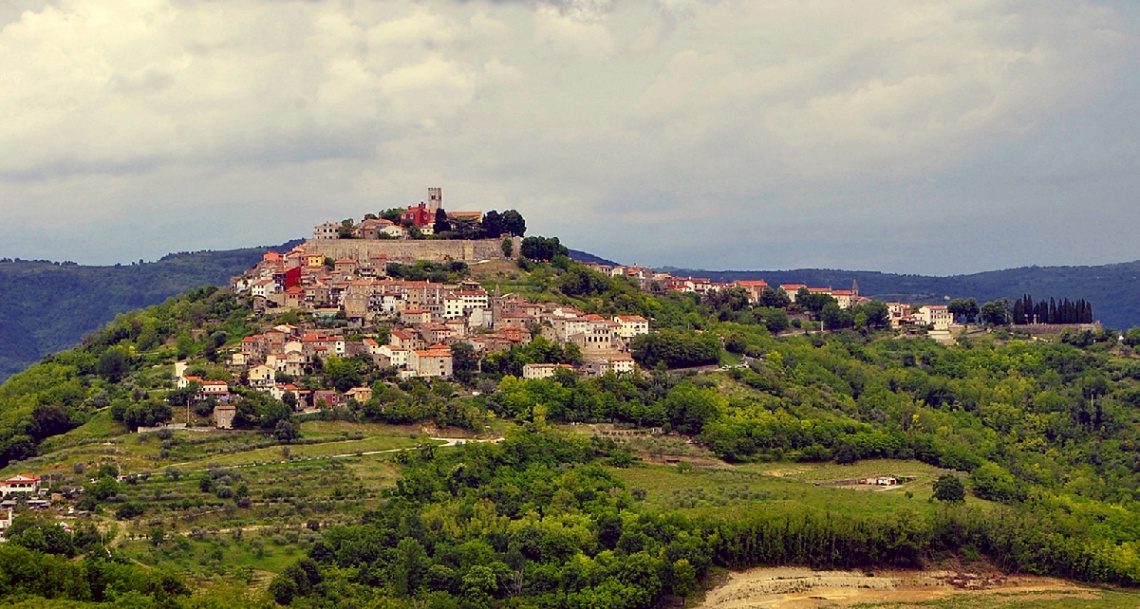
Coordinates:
[224,416]
[543,371]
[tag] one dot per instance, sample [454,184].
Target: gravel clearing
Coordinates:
[795,588]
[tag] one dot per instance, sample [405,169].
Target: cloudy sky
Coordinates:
[920,137]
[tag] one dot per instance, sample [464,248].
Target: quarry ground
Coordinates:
[803,588]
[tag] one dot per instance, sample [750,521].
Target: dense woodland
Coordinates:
[1043,431]
[48,307]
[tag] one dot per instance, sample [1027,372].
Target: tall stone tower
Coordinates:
[435,199]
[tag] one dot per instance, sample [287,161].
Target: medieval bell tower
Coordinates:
[435,199]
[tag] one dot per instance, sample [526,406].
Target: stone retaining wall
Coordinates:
[412,249]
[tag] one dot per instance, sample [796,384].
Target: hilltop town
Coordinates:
[362,304]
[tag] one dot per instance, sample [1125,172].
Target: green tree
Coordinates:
[40,532]
[442,225]
[813,301]
[492,224]
[774,299]
[845,453]
[465,362]
[572,354]
[543,248]
[995,314]
[342,373]
[286,431]
[114,364]
[283,590]
[157,535]
[994,482]
[683,579]
[147,413]
[776,320]
[835,318]
[1132,337]
[963,309]
[513,223]
[689,408]
[392,215]
[410,566]
[949,488]
[878,315]
[184,396]
[103,488]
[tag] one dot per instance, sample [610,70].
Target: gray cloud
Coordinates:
[721,133]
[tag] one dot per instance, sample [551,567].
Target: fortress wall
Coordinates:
[362,249]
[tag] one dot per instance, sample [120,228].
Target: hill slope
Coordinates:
[1045,428]
[48,307]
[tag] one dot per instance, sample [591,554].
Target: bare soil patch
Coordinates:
[803,588]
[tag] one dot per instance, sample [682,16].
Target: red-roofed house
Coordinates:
[360,394]
[543,371]
[791,289]
[22,483]
[754,288]
[844,298]
[419,216]
[434,362]
[218,389]
[415,316]
[329,397]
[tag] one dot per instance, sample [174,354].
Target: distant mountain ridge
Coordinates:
[581,256]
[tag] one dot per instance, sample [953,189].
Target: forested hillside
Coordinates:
[47,307]
[1021,452]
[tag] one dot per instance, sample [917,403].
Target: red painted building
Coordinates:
[419,216]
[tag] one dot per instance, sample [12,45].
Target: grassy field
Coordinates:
[824,472]
[709,491]
[99,426]
[325,429]
[501,269]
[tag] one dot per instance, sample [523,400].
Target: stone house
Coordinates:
[224,416]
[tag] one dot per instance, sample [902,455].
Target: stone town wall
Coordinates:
[413,249]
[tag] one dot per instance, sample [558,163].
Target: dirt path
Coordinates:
[802,588]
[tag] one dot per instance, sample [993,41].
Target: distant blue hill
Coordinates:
[581,256]
[48,307]
[1113,289]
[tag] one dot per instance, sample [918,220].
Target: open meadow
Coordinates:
[781,487]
